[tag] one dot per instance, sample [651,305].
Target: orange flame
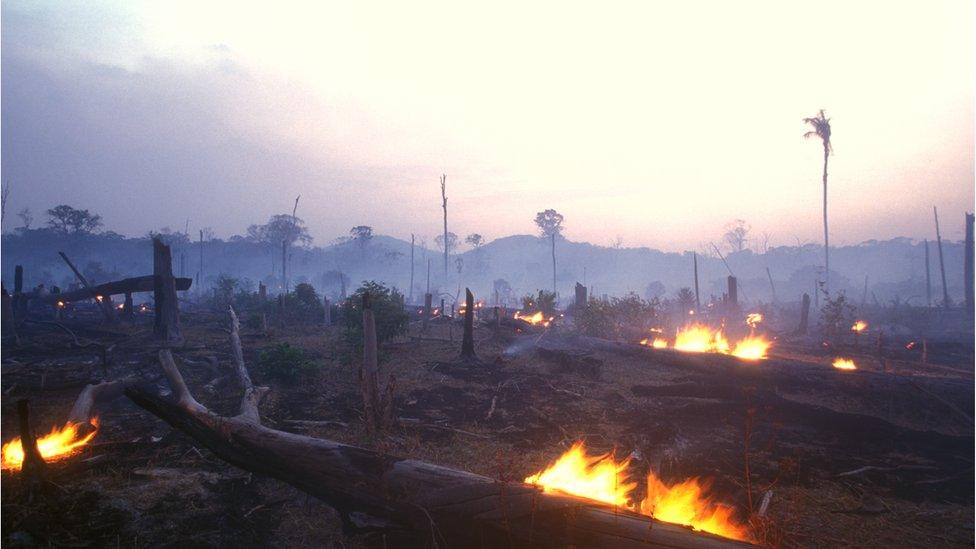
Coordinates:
[56,445]
[753,319]
[603,478]
[699,338]
[859,326]
[751,348]
[535,319]
[844,364]
[657,342]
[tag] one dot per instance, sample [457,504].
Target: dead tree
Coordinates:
[694,256]
[467,341]
[580,296]
[412,241]
[428,302]
[327,316]
[446,241]
[772,287]
[804,315]
[166,322]
[938,239]
[377,402]
[928,275]
[968,265]
[434,505]
[733,293]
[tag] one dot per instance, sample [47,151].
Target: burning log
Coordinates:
[467,341]
[105,306]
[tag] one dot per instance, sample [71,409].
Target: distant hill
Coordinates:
[895,269]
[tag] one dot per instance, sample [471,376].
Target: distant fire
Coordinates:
[58,444]
[844,364]
[603,478]
[535,319]
[754,319]
[859,326]
[700,338]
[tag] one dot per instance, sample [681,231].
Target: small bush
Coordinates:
[617,317]
[388,310]
[284,362]
[545,302]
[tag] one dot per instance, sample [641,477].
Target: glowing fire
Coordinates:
[535,319]
[58,444]
[753,319]
[699,338]
[594,477]
[859,326]
[603,478]
[844,364]
[657,342]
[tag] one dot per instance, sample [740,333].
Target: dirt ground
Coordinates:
[793,422]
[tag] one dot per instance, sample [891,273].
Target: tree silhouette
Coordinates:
[550,223]
[821,129]
[362,234]
[67,220]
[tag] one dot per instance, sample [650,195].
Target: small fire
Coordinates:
[61,304]
[844,364]
[535,319]
[657,342]
[751,348]
[99,298]
[58,444]
[859,326]
[603,478]
[753,319]
[699,338]
[593,477]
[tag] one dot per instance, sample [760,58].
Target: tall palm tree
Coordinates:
[821,129]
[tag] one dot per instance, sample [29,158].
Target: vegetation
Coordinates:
[388,309]
[617,317]
[836,315]
[544,301]
[284,362]
[550,223]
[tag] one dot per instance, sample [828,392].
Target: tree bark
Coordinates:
[166,323]
[826,234]
[968,266]
[804,315]
[446,243]
[467,341]
[938,237]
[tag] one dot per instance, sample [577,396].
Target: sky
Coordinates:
[655,123]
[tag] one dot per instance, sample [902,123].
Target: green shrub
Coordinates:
[388,310]
[284,362]
[617,317]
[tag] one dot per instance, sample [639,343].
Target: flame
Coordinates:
[751,348]
[60,304]
[657,342]
[535,319]
[859,326]
[753,319]
[603,478]
[698,338]
[58,444]
[593,477]
[844,364]
[688,503]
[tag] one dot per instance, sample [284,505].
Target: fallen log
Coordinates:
[431,504]
[117,287]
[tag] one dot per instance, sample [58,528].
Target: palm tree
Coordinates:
[821,129]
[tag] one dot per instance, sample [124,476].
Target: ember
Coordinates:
[859,326]
[58,444]
[753,319]
[603,478]
[844,364]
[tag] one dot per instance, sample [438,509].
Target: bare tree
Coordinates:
[450,242]
[447,242]
[550,223]
[26,217]
[821,129]
[737,234]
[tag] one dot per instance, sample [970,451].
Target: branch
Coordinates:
[183,396]
[252,395]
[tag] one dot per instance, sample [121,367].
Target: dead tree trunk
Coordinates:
[327,316]
[166,323]
[772,287]
[429,503]
[968,266]
[467,341]
[733,294]
[804,315]
[127,305]
[694,257]
[413,239]
[377,404]
[428,302]
[33,468]
[18,279]
[446,242]
[938,237]
[580,296]
[928,275]
[262,292]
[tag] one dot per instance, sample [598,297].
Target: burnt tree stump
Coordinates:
[166,323]
[467,341]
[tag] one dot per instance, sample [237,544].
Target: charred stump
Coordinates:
[467,340]
[804,315]
[33,468]
[166,323]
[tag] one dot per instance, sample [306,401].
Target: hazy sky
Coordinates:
[657,122]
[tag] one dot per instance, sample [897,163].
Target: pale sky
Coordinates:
[654,122]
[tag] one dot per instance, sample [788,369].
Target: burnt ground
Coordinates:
[878,457]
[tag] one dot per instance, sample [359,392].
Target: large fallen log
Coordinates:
[117,287]
[431,504]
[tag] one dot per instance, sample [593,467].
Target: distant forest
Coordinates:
[883,272]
